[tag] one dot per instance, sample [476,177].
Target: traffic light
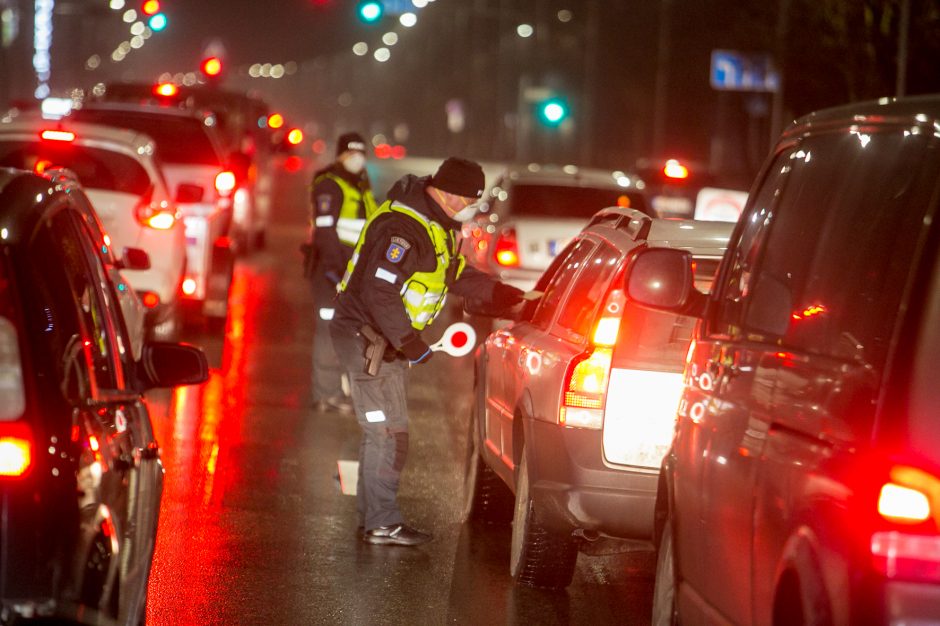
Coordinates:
[157,22]
[370,11]
[211,67]
[150,7]
[553,111]
[295,137]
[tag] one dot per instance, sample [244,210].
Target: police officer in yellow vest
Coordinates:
[342,199]
[405,263]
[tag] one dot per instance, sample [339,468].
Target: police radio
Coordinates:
[458,340]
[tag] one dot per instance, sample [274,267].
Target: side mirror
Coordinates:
[171,364]
[188,193]
[662,279]
[134,259]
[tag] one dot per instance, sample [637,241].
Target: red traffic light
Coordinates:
[211,66]
[275,120]
[151,7]
[295,136]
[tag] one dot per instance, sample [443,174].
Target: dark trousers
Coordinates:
[382,413]
[327,381]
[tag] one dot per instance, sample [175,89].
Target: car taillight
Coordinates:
[189,286]
[16,449]
[159,216]
[506,249]
[225,182]
[57,135]
[149,299]
[911,499]
[586,381]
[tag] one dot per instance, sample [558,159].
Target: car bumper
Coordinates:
[911,603]
[573,488]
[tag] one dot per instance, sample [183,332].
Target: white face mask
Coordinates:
[465,214]
[355,163]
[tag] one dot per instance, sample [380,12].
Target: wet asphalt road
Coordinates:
[254,528]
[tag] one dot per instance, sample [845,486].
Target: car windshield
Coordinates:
[95,168]
[657,341]
[564,201]
[180,140]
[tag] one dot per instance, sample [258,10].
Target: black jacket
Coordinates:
[373,295]
[326,200]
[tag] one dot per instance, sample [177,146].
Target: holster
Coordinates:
[375,349]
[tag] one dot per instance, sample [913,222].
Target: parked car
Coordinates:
[80,473]
[120,173]
[575,402]
[194,166]
[802,485]
[241,121]
[531,213]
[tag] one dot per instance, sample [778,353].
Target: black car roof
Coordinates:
[914,111]
[23,199]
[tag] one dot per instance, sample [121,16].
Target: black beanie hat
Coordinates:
[460,177]
[350,141]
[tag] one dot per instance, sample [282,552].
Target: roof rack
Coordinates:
[633,222]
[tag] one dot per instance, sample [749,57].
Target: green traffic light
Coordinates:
[371,11]
[553,112]
[157,22]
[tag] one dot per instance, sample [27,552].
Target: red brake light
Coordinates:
[608,324]
[57,135]
[585,389]
[150,299]
[166,90]
[506,249]
[159,217]
[16,449]
[674,169]
[225,182]
[910,499]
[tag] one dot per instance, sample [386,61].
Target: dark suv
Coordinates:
[80,473]
[803,481]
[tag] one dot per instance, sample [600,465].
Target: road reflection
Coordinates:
[200,429]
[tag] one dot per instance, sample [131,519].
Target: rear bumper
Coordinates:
[911,603]
[573,488]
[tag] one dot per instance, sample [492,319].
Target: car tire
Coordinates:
[486,498]
[665,610]
[539,557]
[169,329]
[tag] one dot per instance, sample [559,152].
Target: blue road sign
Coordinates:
[738,71]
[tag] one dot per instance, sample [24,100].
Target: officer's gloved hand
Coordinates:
[506,296]
[416,350]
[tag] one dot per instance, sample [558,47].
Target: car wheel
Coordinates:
[169,328]
[486,497]
[538,557]
[665,612]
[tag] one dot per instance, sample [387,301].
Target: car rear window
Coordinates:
[95,168]
[565,201]
[180,140]
[658,341]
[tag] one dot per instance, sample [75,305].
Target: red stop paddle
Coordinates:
[458,340]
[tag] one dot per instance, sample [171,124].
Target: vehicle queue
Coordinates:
[742,397]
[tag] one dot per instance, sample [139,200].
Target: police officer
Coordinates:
[342,199]
[404,265]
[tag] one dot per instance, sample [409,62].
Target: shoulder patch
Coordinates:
[397,249]
[323,203]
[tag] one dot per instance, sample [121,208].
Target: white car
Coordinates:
[192,160]
[120,174]
[531,213]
